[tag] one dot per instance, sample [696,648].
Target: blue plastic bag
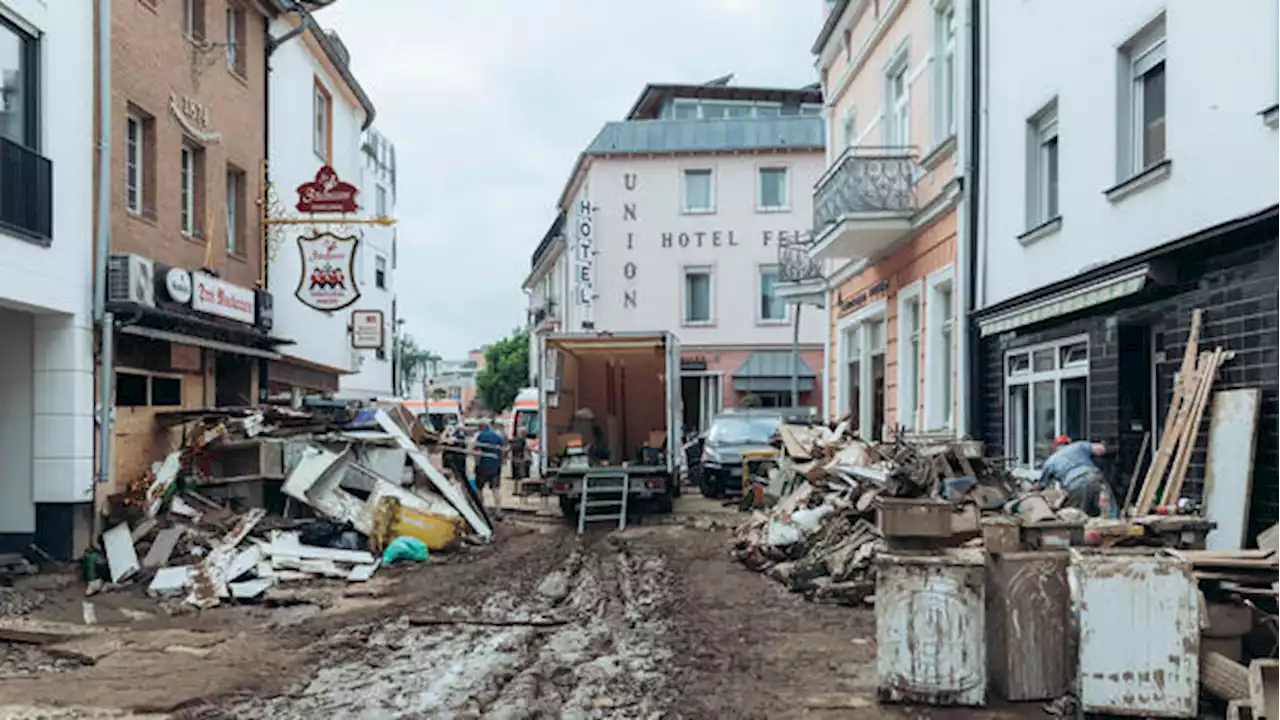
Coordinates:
[405,548]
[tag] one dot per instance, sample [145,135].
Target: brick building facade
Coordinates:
[188,142]
[1131,346]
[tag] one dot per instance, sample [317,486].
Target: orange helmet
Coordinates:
[1061,440]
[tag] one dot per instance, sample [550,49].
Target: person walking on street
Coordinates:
[1072,466]
[519,461]
[489,445]
[454,453]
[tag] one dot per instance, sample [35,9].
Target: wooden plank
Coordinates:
[1190,429]
[1164,451]
[1133,479]
[1228,474]
[1264,676]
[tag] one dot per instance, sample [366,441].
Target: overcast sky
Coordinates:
[489,103]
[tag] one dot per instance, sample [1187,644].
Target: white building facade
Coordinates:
[672,221]
[1128,177]
[46,276]
[376,265]
[317,116]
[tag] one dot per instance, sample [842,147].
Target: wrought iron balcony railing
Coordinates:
[865,180]
[26,192]
[795,263]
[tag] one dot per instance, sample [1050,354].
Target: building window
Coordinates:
[19,86]
[698,296]
[1042,167]
[235,38]
[864,359]
[193,18]
[940,351]
[1046,395]
[699,192]
[134,176]
[897,130]
[772,189]
[140,389]
[235,211]
[322,123]
[946,73]
[909,354]
[1143,87]
[380,201]
[684,110]
[380,272]
[770,308]
[192,190]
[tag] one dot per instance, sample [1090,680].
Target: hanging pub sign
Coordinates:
[328,279]
[327,194]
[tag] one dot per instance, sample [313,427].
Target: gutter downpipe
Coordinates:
[972,222]
[105,320]
[795,358]
[828,327]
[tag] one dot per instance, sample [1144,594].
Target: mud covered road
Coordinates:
[653,622]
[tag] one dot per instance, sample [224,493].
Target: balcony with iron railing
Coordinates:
[26,193]
[864,202]
[801,276]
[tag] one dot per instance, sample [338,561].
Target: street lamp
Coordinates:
[397,384]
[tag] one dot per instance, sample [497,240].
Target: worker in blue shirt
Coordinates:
[489,443]
[1072,467]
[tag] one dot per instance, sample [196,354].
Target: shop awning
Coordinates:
[175,337]
[1067,301]
[770,371]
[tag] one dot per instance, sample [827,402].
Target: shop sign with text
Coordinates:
[328,280]
[366,329]
[218,297]
[327,194]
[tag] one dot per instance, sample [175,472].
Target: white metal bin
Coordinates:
[1139,620]
[930,628]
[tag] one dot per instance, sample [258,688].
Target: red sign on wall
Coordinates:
[327,194]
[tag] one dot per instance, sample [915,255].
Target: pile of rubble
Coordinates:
[190,533]
[821,533]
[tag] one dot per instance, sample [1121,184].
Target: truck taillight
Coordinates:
[560,485]
[654,484]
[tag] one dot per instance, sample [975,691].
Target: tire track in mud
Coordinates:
[610,660]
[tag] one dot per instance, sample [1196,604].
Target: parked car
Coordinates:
[731,434]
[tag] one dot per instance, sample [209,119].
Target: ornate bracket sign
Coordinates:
[327,194]
[328,280]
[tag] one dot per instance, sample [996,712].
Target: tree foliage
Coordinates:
[505,372]
[412,362]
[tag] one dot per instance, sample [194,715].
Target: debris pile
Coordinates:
[189,531]
[822,533]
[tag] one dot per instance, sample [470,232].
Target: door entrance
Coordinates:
[700,400]
[232,380]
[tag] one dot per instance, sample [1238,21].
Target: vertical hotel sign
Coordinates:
[584,243]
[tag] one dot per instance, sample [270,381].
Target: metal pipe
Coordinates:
[965,239]
[795,359]
[827,325]
[105,320]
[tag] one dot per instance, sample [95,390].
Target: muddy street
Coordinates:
[655,621]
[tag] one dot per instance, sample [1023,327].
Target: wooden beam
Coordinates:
[1164,452]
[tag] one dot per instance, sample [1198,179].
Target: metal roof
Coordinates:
[654,94]
[772,364]
[792,132]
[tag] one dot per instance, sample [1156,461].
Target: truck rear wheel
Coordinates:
[569,508]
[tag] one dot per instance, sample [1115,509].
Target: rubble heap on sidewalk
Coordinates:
[189,530]
[821,536]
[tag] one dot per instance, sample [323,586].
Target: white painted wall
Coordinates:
[46,407]
[374,376]
[1224,155]
[320,337]
[626,245]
